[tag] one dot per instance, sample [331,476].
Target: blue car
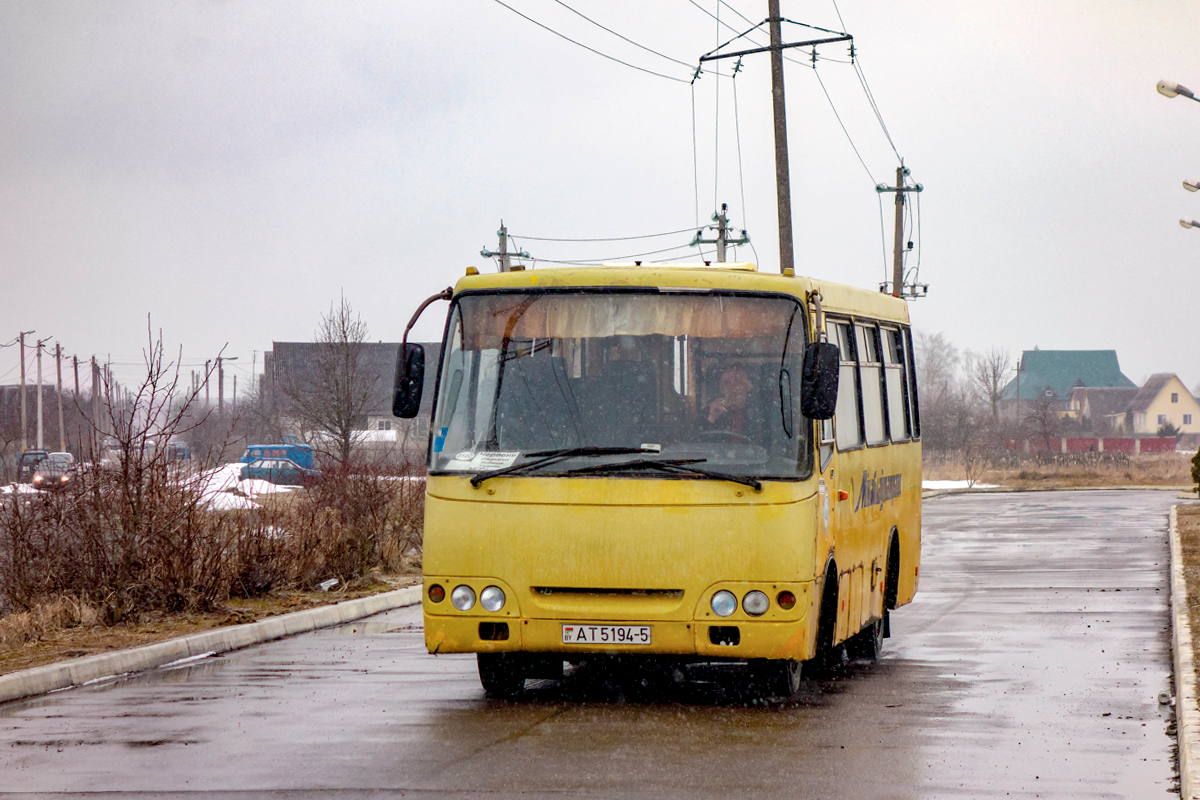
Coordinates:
[279,471]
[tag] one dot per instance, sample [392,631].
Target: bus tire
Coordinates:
[778,677]
[827,657]
[502,674]
[868,643]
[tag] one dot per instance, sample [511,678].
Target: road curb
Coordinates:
[1187,714]
[39,680]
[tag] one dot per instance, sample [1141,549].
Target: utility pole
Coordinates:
[233,405]
[206,374]
[502,253]
[24,401]
[898,245]
[723,239]
[40,439]
[221,382]
[783,185]
[95,401]
[62,434]
[75,363]
[783,180]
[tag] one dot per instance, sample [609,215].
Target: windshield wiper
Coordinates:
[543,458]
[682,466]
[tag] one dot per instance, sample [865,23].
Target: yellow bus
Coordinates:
[696,464]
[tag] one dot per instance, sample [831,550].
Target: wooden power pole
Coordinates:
[62,434]
[783,180]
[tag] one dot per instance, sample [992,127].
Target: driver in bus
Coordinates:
[729,411]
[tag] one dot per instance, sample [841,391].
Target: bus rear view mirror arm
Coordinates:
[819,382]
[410,365]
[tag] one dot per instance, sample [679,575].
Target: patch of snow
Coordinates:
[956,485]
[253,486]
[18,488]
[227,501]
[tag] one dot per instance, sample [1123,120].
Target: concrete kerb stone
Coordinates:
[39,680]
[1187,713]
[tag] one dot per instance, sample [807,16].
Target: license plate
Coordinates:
[605,634]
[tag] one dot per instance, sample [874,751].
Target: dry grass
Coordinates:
[1167,470]
[63,628]
[1188,526]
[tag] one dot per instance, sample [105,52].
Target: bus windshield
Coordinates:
[695,380]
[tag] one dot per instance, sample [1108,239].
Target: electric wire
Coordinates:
[602,239]
[623,38]
[717,125]
[882,235]
[862,78]
[737,129]
[590,49]
[695,158]
[843,127]
[625,257]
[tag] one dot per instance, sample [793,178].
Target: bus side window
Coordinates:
[871,369]
[849,429]
[912,384]
[895,377]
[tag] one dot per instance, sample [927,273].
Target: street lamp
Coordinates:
[1189,223]
[1168,89]
[1192,186]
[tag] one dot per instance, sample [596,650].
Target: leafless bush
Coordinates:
[134,535]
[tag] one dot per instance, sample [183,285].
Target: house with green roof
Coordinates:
[1054,373]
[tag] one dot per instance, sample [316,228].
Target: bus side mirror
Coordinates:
[410,380]
[819,382]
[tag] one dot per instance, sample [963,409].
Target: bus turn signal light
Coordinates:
[436,594]
[843,495]
[786,600]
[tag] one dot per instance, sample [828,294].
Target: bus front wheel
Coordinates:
[778,677]
[502,674]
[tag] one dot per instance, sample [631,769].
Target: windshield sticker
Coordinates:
[440,440]
[482,462]
[877,491]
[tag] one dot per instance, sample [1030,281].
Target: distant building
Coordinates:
[1163,400]
[295,364]
[1052,374]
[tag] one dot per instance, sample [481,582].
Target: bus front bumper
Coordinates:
[735,639]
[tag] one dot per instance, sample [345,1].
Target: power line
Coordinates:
[603,239]
[843,126]
[589,49]
[623,38]
[612,258]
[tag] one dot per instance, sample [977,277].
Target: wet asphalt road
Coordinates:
[1029,666]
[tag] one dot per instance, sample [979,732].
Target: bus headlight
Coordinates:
[723,603]
[462,598]
[755,603]
[492,598]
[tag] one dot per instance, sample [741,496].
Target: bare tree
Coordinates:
[988,378]
[937,366]
[1042,417]
[331,400]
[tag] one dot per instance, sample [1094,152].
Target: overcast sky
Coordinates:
[229,168]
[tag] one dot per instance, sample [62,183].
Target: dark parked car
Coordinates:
[280,471]
[55,471]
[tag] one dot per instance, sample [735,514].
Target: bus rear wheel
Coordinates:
[868,643]
[502,674]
